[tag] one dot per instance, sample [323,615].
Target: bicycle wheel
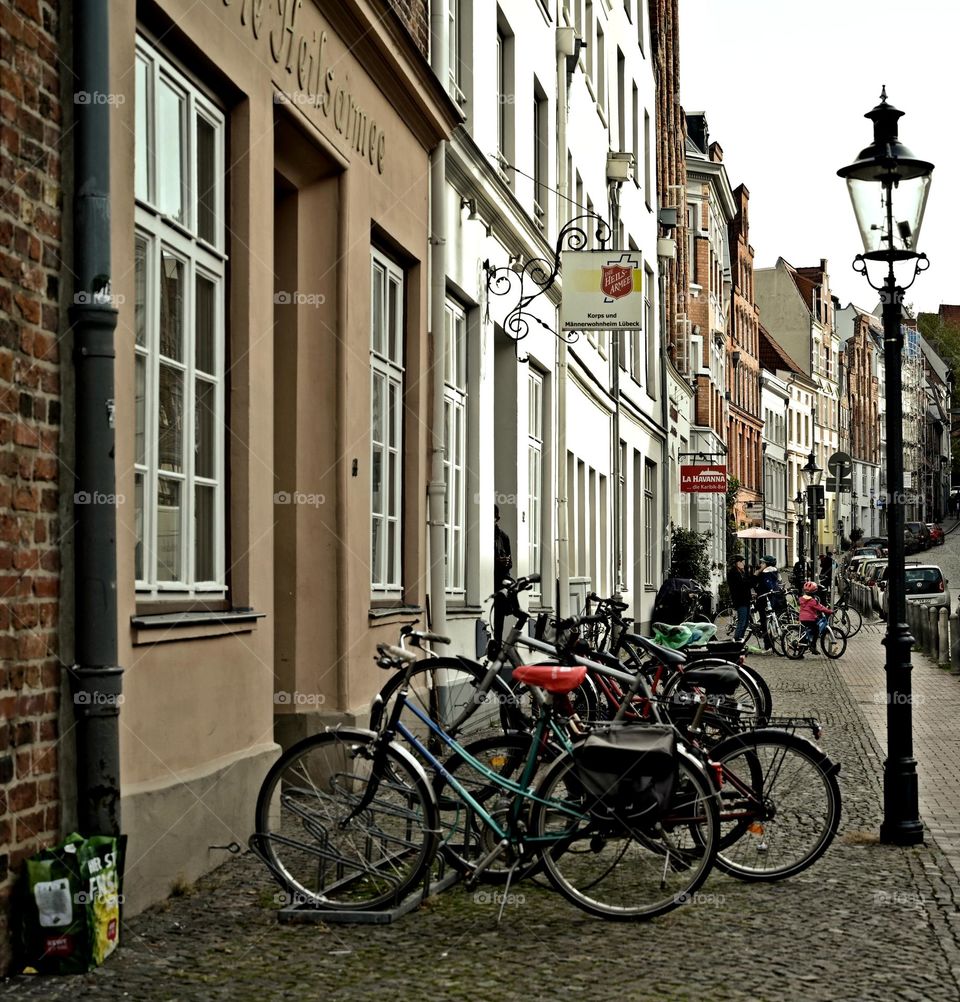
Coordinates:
[726,624]
[454,693]
[795,643]
[765,705]
[849,620]
[465,837]
[786,821]
[618,871]
[322,854]
[747,706]
[833,642]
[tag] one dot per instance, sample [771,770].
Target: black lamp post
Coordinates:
[798,503]
[811,474]
[884,173]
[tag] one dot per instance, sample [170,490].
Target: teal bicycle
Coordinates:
[624,822]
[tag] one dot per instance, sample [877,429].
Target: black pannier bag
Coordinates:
[627,773]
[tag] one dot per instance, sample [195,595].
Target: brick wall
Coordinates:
[30,134]
[415,14]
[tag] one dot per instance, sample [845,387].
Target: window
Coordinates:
[693,228]
[535,435]
[540,190]
[588,38]
[648,195]
[601,69]
[453,53]
[635,133]
[641,18]
[179,337]
[621,102]
[454,445]
[649,521]
[501,96]
[386,424]
[649,331]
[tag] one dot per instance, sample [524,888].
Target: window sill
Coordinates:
[389,613]
[464,611]
[163,627]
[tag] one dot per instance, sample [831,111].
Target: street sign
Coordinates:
[816,501]
[840,467]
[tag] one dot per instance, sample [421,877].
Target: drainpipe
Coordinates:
[563,488]
[440,31]
[96,676]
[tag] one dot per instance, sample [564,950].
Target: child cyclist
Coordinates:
[810,610]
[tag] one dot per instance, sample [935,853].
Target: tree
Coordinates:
[690,554]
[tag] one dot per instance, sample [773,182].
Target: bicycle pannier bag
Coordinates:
[628,773]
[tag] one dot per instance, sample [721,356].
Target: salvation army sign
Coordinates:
[703,479]
[602,290]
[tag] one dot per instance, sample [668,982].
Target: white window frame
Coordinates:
[455,448]
[535,438]
[387,364]
[200,259]
[649,521]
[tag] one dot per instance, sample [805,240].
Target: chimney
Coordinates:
[698,131]
[716,153]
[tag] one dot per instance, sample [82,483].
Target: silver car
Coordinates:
[925,585]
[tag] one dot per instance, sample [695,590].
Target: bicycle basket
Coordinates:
[627,773]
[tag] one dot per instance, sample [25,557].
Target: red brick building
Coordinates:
[745,425]
[30,437]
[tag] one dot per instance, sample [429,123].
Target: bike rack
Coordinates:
[306,913]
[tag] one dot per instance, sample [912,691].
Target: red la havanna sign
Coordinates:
[703,479]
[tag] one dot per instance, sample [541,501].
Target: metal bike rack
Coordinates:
[306,912]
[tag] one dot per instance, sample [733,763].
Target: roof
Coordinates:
[773,356]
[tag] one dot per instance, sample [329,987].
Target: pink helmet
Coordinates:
[810,587]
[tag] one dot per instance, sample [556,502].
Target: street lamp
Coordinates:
[887,172]
[811,474]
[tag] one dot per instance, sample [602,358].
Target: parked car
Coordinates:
[880,541]
[873,575]
[920,533]
[937,537]
[925,585]
[855,562]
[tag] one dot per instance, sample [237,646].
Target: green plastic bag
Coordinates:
[71,905]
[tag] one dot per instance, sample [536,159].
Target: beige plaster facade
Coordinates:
[330,113]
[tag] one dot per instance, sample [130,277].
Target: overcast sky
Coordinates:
[785,86]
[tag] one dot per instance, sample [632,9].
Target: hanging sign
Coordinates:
[703,479]
[602,290]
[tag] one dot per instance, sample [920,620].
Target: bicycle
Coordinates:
[347,819]
[780,803]
[833,641]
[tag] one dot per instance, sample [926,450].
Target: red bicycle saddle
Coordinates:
[558,679]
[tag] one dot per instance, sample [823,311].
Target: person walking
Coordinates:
[502,555]
[810,610]
[738,584]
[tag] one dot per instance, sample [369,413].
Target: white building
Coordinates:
[529,423]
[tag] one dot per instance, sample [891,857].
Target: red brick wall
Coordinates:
[415,14]
[30,246]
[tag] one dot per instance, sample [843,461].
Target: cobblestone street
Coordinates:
[866,922]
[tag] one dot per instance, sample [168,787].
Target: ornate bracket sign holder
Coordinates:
[538,275]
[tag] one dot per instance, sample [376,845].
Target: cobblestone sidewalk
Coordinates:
[867,922]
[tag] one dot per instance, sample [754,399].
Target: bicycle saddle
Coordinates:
[558,679]
[663,654]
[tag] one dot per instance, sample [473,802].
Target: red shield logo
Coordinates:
[616,281]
